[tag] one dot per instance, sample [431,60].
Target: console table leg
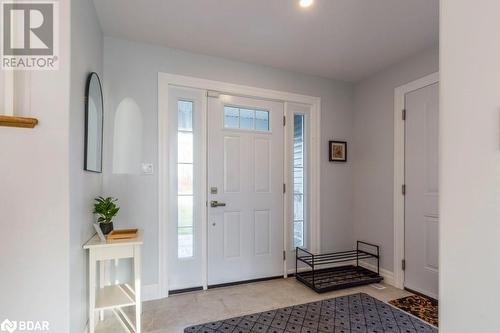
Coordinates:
[137,288]
[101,283]
[92,290]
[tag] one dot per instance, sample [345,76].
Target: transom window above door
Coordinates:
[246,119]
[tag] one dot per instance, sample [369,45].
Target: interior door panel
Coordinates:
[422,191]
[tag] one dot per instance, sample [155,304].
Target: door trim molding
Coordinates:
[164,81]
[399,171]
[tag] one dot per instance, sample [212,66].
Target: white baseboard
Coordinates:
[387,275]
[150,292]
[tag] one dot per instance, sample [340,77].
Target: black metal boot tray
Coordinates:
[321,278]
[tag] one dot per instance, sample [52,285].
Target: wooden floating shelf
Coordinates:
[23,122]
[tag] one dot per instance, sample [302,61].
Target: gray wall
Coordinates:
[470,167]
[86,51]
[131,70]
[34,200]
[373,150]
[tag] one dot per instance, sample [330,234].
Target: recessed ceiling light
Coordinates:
[305,3]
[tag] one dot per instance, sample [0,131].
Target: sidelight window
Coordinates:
[185,177]
[298,180]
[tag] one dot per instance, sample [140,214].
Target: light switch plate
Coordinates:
[147,168]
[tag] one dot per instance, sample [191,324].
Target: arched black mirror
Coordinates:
[93,124]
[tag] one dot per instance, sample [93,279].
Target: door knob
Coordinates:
[214,204]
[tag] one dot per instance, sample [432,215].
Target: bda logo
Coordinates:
[8,326]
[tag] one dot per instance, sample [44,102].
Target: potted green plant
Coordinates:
[106,209]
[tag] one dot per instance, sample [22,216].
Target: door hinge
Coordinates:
[403,189]
[403,264]
[284,120]
[284,188]
[284,255]
[403,116]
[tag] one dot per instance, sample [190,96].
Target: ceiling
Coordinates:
[339,39]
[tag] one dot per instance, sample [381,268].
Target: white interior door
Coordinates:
[245,173]
[422,191]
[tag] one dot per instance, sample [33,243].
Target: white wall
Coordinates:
[34,201]
[86,51]
[470,166]
[131,71]
[373,150]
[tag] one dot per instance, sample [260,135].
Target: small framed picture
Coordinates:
[338,151]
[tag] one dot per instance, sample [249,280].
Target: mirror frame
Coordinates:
[87,92]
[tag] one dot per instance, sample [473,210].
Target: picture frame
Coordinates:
[337,151]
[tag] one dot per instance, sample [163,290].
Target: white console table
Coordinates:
[114,297]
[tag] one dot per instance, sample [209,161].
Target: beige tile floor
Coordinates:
[173,314]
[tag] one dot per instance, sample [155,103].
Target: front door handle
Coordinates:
[214,204]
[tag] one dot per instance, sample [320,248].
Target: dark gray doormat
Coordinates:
[358,313]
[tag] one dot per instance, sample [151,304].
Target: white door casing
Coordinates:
[399,171]
[422,190]
[245,237]
[165,221]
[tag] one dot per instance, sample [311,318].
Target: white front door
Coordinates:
[422,191]
[245,185]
